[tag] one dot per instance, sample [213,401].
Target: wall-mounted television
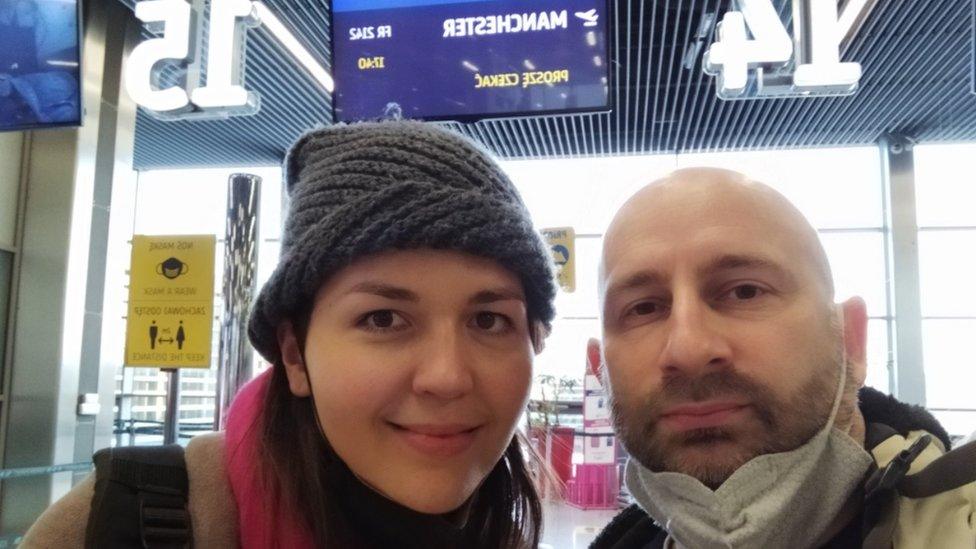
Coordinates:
[468,59]
[40,62]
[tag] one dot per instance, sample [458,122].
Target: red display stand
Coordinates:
[561,452]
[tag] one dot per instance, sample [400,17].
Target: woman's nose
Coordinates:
[444,370]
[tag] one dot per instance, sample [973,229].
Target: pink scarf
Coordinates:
[262,523]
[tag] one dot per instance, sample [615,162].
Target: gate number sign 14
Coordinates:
[753,38]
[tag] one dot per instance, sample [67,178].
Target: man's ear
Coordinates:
[593,361]
[855,317]
[291,356]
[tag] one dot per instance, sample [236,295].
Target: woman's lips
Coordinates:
[702,415]
[437,440]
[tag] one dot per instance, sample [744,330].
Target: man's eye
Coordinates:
[746,292]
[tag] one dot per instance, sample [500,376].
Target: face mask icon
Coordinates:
[172,268]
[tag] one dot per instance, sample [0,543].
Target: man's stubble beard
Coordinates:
[711,455]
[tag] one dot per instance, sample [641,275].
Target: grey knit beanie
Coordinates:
[365,188]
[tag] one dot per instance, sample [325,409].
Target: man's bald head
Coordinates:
[723,198]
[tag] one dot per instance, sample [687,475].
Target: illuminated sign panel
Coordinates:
[180,42]
[171,292]
[754,56]
[468,59]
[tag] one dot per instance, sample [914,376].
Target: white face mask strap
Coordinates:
[839,394]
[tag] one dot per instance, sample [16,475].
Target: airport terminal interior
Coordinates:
[144,141]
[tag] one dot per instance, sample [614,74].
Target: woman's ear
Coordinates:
[538,334]
[291,356]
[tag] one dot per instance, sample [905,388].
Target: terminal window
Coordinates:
[947,267]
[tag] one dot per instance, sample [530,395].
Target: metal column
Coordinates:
[898,171]
[171,425]
[239,288]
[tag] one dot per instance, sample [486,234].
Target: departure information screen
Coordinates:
[468,59]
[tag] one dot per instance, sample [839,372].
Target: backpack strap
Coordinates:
[140,499]
[889,478]
[950,471]
[880,507]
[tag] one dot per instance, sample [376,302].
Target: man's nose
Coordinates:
[444,369]
[695,340]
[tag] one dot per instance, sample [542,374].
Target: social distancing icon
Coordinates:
[171,291]
[166,336]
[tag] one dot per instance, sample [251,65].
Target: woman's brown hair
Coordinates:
[505,511]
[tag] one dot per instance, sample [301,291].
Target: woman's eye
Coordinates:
[491,322]
[384,320]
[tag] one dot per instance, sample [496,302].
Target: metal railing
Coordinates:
[24,472]
[143,427]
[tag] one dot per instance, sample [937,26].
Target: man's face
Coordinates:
[719,340]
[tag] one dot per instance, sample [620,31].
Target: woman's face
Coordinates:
[420,364]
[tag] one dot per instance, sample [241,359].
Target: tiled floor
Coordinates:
[567,527]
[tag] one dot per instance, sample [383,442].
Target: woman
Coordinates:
[409,299]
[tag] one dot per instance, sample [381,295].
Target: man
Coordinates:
[736,386]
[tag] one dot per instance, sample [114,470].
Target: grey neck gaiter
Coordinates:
[783,500]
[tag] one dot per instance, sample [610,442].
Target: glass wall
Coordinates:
[186,202]
[946,216]
[842,198]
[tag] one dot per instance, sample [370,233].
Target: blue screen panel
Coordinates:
[39,64]
[365,5]
[439,59]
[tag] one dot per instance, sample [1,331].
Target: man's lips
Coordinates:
[687,417]
[438,440]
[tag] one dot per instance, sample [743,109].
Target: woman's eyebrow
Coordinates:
[496,294]
[383,290]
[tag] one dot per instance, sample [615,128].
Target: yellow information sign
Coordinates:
[562,244]
[171,294]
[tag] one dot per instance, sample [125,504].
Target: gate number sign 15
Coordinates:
[177,43]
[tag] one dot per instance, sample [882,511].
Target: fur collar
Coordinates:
[878,407]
